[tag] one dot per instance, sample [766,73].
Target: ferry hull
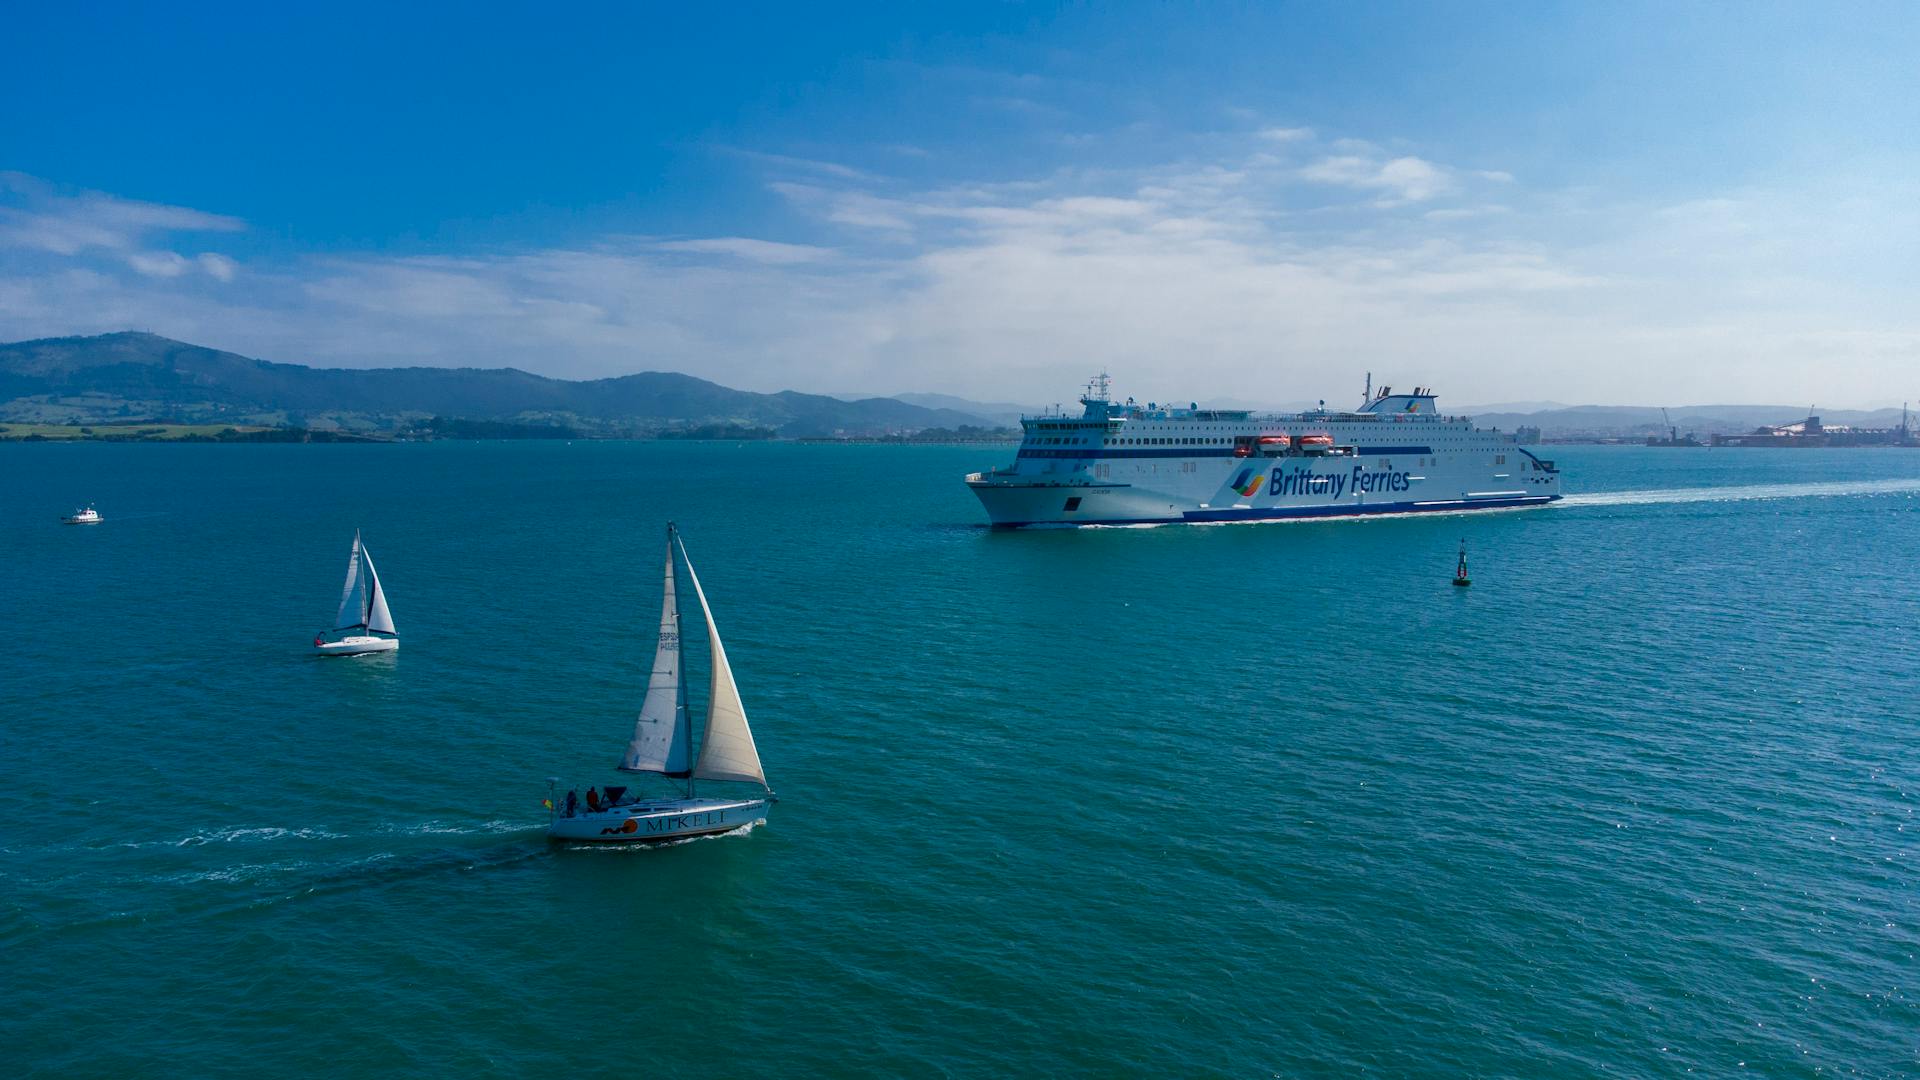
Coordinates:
[1016,505]
[658,821]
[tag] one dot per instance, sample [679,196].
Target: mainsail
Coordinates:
[726,745]
[660,736]
[351,612]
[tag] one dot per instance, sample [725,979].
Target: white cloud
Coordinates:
[160,264]
[1402,179]
[1286,134]
[218,267]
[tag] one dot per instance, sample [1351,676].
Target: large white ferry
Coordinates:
[1124,464]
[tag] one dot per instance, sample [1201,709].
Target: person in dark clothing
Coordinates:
[572,801]
[593,799]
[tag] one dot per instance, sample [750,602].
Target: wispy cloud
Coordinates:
[1286,134]
[160,264]
[218,267]
[750,250]
[36,214]
[799,164]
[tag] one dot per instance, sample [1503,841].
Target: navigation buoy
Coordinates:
[1460,571]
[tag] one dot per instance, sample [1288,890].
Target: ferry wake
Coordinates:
[1128,464]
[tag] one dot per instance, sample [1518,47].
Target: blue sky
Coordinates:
[1586,203]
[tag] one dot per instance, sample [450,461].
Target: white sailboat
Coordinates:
[662,744]
[364,622]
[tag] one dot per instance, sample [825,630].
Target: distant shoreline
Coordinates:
[243,434]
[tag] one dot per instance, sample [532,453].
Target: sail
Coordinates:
[660,736]
[379,619]
[350,606]
[726,745]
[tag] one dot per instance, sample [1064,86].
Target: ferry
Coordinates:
[1122,463]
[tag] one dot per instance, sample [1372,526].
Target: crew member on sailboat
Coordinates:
[662,744]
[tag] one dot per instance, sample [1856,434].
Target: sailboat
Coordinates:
[364,620]
[662,744]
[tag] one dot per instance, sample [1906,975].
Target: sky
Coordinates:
[1617,203]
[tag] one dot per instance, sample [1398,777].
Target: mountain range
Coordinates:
[127,377]
[136,377]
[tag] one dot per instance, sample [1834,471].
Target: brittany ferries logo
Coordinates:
[1248,482]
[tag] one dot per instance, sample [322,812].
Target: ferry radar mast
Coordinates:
[1098,389]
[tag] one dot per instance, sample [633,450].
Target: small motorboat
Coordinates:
[662,744]
[364,622]
[89,516]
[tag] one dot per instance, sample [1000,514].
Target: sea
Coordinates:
[1198,801]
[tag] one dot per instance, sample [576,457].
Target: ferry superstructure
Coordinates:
[1121,463]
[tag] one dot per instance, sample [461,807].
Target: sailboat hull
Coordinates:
[357,646]
[657,821]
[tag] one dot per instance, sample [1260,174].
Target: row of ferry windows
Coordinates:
[1062,441]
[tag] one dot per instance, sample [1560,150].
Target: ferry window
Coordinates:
[1500,459]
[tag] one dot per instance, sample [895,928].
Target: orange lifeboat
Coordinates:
[1273,445]
[1315,444]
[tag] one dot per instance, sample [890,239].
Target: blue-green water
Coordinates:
[1230,801]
